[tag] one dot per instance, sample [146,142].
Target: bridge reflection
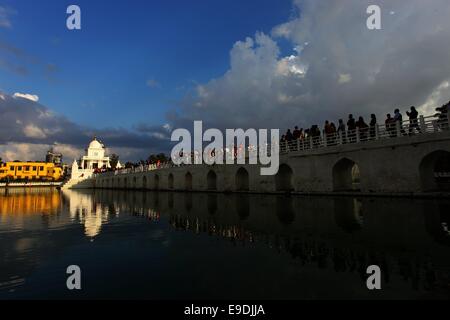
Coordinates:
[408,239]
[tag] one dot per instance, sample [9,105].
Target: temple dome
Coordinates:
[95,144]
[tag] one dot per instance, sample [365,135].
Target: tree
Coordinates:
[158,157]
[114,160]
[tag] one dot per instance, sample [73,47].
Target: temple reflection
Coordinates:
[84,209]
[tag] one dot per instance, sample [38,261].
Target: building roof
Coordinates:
[95,144]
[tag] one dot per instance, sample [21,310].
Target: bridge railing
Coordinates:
[423,125]
[138,169]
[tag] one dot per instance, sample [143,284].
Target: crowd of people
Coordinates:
[345,132]
[359,128]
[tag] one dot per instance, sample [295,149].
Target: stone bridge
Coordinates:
[406,164]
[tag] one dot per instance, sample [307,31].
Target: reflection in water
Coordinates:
[306,240]
[84,209]
[349,214]
[212,204]
[285,210]
[243,206]
[28,201]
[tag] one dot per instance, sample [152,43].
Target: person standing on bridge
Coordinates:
[363,129]
[390,125]
[373,125]
[398,119]
[413,123]
[351,127]
[341,130]
[297,133]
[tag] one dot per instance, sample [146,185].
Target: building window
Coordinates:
[19,168]
[34,168]
[26,168]
[41,168]
[11,168]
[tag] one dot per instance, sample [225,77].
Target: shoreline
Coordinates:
[414,195]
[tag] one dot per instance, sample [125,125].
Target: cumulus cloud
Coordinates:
[337,67]
[31,97]
[28,129]
[32,131]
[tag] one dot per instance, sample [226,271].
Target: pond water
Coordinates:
[146,245]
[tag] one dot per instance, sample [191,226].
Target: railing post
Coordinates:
[435,126]
[298,144]
[377,132]
[310,142]
[357,135]
[399,130]
[340,138]
[423,126]
[325,139]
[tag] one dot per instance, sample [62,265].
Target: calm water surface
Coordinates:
[213,246]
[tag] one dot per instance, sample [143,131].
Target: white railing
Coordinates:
[423,125]
[138,169]
[30,184]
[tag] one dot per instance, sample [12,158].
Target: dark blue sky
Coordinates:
[98,76]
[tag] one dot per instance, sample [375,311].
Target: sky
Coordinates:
[138,69]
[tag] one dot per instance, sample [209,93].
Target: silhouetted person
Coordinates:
[296,133]
[341,130]
[413,123]
[351,127]
[398,119]
[442,116]
[327,128]
[289,136]
[390,125]
[333,131]
[363,129]
[373,125]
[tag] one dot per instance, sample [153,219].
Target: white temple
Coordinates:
[93,159]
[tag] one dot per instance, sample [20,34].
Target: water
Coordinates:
[214,246]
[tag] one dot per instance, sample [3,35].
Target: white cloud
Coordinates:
[32,131]
[5,14]
[31,97]
[398,66]
[37,152]
[23,152]
[344,78]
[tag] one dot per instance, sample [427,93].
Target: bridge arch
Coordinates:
[211,180]
[170,180]
[188,181]
[283,179]
[434,170]
[156,182]
[242,180]
[144,182]
[346,175]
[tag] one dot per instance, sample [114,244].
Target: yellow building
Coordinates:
[37,171]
